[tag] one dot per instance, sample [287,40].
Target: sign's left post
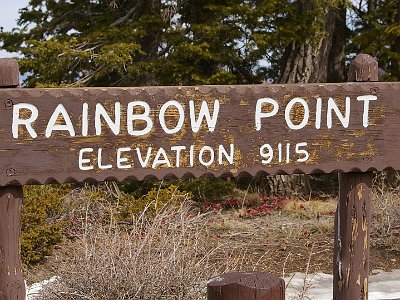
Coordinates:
[12,284]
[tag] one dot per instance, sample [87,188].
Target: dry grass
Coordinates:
[386,214]
[172,255]
[310,209]
[165,257]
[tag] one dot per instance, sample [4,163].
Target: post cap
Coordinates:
[9,72]
[363,68]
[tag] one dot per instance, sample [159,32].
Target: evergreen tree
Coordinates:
[89,42]
[377,32]
[159,42]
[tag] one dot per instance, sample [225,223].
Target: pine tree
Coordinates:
[88,42]
[156,42]
[377,32]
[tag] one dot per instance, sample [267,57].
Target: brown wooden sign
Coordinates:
[63,135]
[67,135]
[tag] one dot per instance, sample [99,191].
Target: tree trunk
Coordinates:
[371,5]
[336,60]
[311,61]
[395,47]
[149,43]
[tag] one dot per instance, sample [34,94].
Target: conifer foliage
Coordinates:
[162,42]
[377,32]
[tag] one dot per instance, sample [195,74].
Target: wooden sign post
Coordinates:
[12,285]
[96,134]
[353,216]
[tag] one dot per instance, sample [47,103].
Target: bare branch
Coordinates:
[87,78]
[126,17]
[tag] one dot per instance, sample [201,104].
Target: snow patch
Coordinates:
[33,291]
[382,285]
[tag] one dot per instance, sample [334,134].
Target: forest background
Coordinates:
[65,43]
[190,42]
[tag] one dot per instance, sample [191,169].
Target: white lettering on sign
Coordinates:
[298,113]
[102,113]
[268,153]
[83,161]
[260,114]
[332,107]
[366,100]
[121,160]
[223,153]
[34,113]
[100,161]
[191,155]
[344,119]
[161,159]
[178,150]
[204,113]
[52,125]
[85,119]
[145,116]
[302,152]
[210,158]
[181,114]
[318,113]
[144,162]
[306,114]
[175,156]
[196,120]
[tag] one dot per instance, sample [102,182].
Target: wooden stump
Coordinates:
[246,286]
[12,284]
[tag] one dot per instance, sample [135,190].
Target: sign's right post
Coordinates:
[353,215]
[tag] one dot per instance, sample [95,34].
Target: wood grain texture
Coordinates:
[246,286]
[353,215]
[27,160]
[12,284]
[363,68]
[352,237]
[9,72]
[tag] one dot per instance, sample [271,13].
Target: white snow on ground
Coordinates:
[33,290]
[382,285]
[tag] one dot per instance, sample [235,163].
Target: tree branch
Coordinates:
[126,17]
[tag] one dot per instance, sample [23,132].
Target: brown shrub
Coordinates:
[165,257]
[386,213]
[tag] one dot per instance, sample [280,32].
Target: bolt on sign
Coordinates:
[67,135]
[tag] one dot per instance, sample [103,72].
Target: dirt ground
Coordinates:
[283,244]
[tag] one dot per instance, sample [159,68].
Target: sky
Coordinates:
[8,17]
